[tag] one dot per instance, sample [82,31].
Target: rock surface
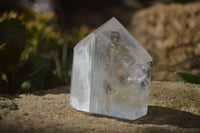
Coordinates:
[173,107]
[171,34]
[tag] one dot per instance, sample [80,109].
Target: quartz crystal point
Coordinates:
[111,73]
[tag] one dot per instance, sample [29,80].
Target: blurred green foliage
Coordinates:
[44,40]
[12,36]
[188,77]
[46,58]
[40,65]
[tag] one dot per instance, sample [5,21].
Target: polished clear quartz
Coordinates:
[111,73]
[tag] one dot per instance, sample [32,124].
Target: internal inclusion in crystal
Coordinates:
[111,73]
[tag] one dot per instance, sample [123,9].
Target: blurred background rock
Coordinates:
[168,29]
[171,33]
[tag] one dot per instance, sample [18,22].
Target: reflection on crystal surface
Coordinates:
[111,73]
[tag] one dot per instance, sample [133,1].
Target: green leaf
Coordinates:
[12,29]
[3,84]
[188,77]
[45,79]
[39,72]
[12,36]
[26,70]
[9,56]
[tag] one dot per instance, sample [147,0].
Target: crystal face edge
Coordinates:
[81,74]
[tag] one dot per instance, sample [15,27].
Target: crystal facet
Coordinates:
[111,73]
